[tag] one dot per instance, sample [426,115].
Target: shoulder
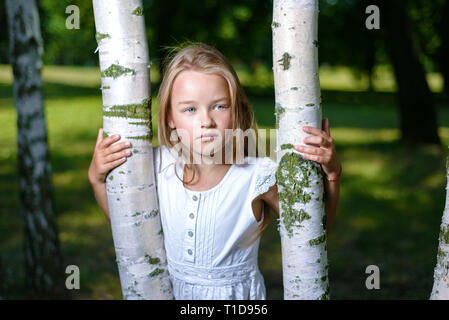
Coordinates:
[269,190]
[163,157]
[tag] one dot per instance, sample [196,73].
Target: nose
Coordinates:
[206,120]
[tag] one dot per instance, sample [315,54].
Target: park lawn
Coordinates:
[391,200]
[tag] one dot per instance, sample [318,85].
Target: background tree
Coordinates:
[416,103]
[42,254]
[300,181]
[429,19]
[131,187]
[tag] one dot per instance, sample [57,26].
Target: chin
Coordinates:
[208,150]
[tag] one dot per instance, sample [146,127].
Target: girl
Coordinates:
[212,210]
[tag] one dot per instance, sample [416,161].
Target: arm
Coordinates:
[325,154]
[106,157]
[322,150]
[101,197]
[331,196]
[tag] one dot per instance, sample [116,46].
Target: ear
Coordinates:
[171,124]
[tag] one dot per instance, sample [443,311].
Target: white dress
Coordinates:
[203,229]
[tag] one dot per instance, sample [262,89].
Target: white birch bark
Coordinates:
[41,244]
[440,290]
[300,184]
[131,187]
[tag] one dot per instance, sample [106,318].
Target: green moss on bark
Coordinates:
[292,189]
[156,272]
[318,240]
[138,11]
[152,260]
[136,111]
[100,36]
[444,234]
[115,71]
[287,146]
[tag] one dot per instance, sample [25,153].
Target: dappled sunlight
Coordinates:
[364,136]
[364,223]
[391,197]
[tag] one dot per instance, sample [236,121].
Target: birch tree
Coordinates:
[131,188]
[299,180]
[41,244]
[440,290]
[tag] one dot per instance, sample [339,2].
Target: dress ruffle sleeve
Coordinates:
[265,175]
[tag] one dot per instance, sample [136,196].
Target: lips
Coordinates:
[207,136]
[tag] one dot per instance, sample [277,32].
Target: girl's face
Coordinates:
[200,105]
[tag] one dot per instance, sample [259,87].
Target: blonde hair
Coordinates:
[200,57]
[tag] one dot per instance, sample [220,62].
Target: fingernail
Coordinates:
[305,128]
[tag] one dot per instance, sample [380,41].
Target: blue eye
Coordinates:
[188,109]
[221,106]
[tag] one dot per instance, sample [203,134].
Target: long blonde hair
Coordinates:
[200,57]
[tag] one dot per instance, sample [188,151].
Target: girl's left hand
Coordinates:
[324,152]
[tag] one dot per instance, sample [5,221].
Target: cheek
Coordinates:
[184,128]
[226,121]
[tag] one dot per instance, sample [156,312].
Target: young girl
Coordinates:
[212,210]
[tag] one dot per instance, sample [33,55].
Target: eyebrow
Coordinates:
[191,101]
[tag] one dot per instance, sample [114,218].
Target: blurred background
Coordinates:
[384,91]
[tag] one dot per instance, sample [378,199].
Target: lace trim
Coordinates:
[266,176]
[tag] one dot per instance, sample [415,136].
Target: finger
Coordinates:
[109,140]
[318,141]
[99,137]
[326,126]
[313,157]
[117,155]
[111,165]
[117,147]
[310,150]
[315,131]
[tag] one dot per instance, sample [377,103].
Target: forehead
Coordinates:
[198,86]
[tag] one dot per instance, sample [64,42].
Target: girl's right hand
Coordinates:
[107,156]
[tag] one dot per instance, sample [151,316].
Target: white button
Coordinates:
[191,216]
[190,233]
[189,252]
[195,198]
[209,276]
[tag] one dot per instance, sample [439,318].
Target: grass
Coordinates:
[391,201]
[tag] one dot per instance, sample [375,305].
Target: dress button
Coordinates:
[190,233]
[189,251]
[209,276]
[195,198]
[191,216]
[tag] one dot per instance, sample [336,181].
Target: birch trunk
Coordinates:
[440,289]
[41,244]
[131,187]
[300,184]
